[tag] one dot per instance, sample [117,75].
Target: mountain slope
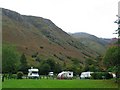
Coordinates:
[36,35]
[96,44]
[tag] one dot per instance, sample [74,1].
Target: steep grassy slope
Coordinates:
[96,44]
[33,35]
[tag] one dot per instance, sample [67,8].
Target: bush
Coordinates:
[98,75]
[101,75]
[19,75]
[108,75]
[14,76]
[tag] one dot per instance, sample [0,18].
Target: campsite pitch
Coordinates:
[44,83]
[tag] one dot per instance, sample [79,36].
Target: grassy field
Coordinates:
[44,83]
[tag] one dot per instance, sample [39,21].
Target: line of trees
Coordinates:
[10,59]
[13,61]
[112,56]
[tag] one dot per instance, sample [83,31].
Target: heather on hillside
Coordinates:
[39,39]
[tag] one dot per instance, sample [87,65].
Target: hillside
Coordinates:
[41,37]
[96,44]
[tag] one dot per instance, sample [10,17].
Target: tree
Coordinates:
[52,63]
[44,69]
[91,65]
[112,56]
[10,59]
[57,68]
[23,65]
[23,59]
[112,59]
[74,68]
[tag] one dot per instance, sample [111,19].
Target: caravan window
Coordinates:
[69,73]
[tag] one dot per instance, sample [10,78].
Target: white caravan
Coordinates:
[65,75]
[33,73]
[85,75]
[50,74]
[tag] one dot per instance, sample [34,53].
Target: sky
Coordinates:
[95,17]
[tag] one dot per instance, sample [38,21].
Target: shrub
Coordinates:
[19,75]
[108,75]
[14,76]
[101,75]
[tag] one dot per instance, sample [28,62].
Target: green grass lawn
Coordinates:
[44,83]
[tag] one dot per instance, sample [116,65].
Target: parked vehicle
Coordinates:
[33,73]
[65,75]
[50,74]
[85,75]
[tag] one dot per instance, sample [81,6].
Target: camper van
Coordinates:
[33,73]
[65,75]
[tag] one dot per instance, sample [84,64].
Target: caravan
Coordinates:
[85,75]
[65,75]
[33,73]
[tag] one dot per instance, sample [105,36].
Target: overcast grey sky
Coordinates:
[92,16]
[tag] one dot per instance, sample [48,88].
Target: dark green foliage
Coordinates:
[3,78]
[38,59]
[49,65]
[51,62]
[91,68]
[75,61]
[112,57]
[108,76]
[23,59]
[118,30]
[117,53]
[101,75]
[19,75]
[112,60]
[89,61]
[10,59]
[44,69]
[57,68]
[92,65]
[76,69]
[23,65]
